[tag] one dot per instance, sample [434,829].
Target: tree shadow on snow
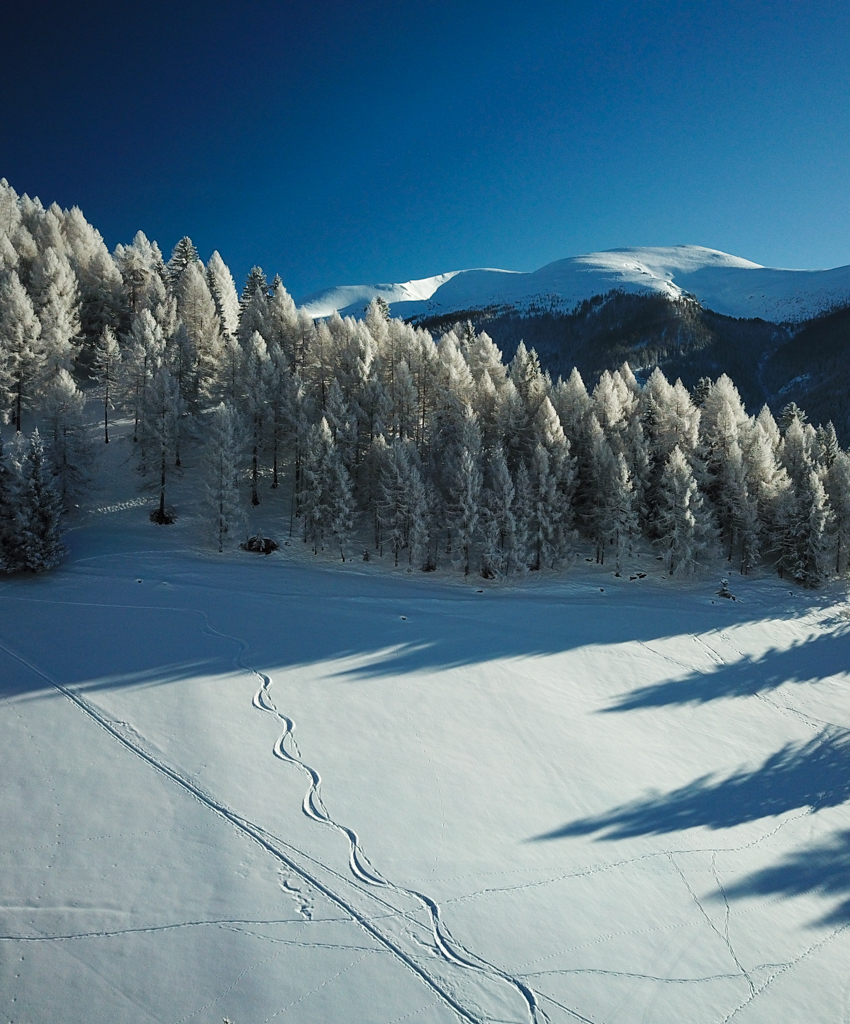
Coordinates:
[814,774]
[151,619]
[823,870]
[805,662]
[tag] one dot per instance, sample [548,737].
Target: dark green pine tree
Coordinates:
[37,524]
[182,256]
[700,391]
[255,283]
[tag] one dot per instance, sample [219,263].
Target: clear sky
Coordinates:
[346,142]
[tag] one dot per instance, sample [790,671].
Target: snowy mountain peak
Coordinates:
[720,281]
[330,300]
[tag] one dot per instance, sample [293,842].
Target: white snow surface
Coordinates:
[324,303]
[727,284]
[281,789]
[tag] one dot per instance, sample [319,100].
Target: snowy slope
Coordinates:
[326,302]
[727,284]
[268,790]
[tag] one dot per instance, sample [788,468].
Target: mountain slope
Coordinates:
[727,284]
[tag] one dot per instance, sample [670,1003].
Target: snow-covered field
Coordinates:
[269,790]
[722,282]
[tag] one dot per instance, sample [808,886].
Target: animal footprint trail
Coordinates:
[443,943]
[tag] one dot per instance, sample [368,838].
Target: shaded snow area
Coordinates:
[264,790]
[724,283]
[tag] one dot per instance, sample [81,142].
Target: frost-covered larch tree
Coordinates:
[838,489]
[686,535]
[500,546]
[806,534]
[328,504]
[37,543]
[56,302]
[163,408]
[203,345]
[222,459]
[402,506]
[257,380]
[9,481]
[223,291]
[145,353]
[22,357]
[70,453]
[106,370]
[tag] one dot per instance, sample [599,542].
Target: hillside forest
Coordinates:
[429,450]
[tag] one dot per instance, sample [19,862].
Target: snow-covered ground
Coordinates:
[276,789]
[727,284]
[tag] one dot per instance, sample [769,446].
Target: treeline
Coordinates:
[435,450]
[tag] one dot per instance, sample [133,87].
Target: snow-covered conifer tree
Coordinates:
[528,378]
[101,289]
[465,504]
[826,445]
[142,270]
[145,354]
[616,523]
[686,534]
[222,458]
[523,515]
[70,453]
[767,480]
[163,409]
[197,311]
[484,357]
[343,424]
[223,291]
[499,556]
[789,414]
[511,425]
[229,383]
[254,306]
[838,488]
[38,539]
[183,255]
[545,511]
[402,504]
[278,383]
[806,535]
[106,367]
[256,379]
[530,384]
[282,322]
[797,448]
[403,402]
[56,302]
[724,426]
[609,409]
[328,504]
[9,481]
[22,357]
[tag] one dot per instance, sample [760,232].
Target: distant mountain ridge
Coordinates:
[724,283]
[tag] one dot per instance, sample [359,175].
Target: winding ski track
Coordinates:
[448,949]
[313,806]
[365,883]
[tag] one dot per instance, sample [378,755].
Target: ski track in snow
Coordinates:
[443,944]
[367,881]
[313,806]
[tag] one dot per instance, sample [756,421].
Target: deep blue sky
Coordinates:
[339,142]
